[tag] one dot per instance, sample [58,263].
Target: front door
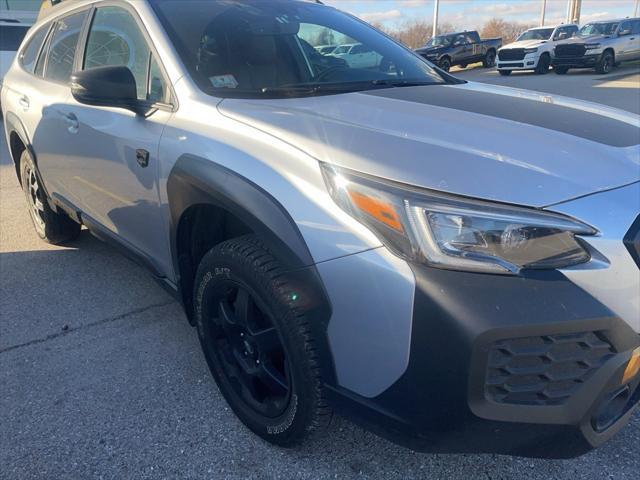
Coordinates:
[116,173]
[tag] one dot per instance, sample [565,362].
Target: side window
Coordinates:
[573,30]
[29,54]
[62,48]
[625,26]
[116,40]
[158,91]
[635,29]
[470,38]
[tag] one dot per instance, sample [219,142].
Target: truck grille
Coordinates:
[570,50]
[511,54]
[632,240]
[544,370]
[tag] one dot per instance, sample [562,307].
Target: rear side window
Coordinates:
[116,40]
[62,48]
[635,29]
[29,54]
[11,37]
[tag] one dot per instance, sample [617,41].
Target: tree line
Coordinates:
[415,33]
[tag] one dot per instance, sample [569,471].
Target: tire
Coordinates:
[52,227]
[606,63]
[489,59]
[445,64]
[561,70]
[543,65]
[273,385]
[504,73]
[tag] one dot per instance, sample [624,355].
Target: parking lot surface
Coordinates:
[620,88]
[102,377]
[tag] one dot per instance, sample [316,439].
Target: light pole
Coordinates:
[436,7]
[544,9]
[636,8]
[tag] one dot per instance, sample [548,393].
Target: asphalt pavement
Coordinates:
[102,377]
[620,88]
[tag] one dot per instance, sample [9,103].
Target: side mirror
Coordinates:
[626,31]
[107,87]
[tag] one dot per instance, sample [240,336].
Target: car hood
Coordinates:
[430,50]
[471,139]
[589,39]
[525,44]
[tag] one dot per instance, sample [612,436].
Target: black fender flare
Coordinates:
[195,180]
[14,125]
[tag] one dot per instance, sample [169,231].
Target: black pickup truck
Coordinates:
[461,48]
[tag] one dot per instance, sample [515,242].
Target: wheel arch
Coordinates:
[18,141]
[209,204]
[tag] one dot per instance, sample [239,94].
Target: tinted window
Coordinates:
[116,40]
[625,26]
[29,55]
[636,27]
[256,47]
[62,48]
[11,37]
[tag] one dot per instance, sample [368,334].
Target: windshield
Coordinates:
[254,48]
[537,34]
[438,42]
[342,50]
[598,29]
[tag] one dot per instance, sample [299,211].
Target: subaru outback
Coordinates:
[455,266]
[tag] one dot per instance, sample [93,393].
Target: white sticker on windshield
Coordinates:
[224,81]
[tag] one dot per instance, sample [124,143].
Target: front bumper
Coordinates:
[586,61]
[446,399]
[529,62]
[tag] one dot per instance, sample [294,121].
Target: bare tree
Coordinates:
[498,27]
[414,33]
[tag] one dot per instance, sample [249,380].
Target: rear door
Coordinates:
[626,43]
[634,54]
[115,166]
[41,98]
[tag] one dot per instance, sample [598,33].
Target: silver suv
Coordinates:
[600,45]
[455,265]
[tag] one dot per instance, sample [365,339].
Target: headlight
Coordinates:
[457,233]
[592,46]
[530,50]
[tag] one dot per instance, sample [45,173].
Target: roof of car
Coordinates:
[545,27]
[614,20]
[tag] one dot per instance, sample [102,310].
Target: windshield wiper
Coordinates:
[388,82]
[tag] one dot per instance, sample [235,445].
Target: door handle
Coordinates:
[142,156]
[24,102]
[72,122]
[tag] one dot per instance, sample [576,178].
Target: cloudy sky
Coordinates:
[473,13]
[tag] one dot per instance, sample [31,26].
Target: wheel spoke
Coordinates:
[242,306]
[228,316]
[273,380]
[266,340]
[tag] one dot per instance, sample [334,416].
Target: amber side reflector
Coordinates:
[378,209]
[633,367]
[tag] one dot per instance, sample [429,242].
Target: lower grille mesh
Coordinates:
[544,370]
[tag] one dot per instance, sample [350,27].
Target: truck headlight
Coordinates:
[530,50]
[453,232]
[592,46]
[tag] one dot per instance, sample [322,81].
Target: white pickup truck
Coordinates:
[533,49]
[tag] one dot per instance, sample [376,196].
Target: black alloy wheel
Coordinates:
[249,350]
